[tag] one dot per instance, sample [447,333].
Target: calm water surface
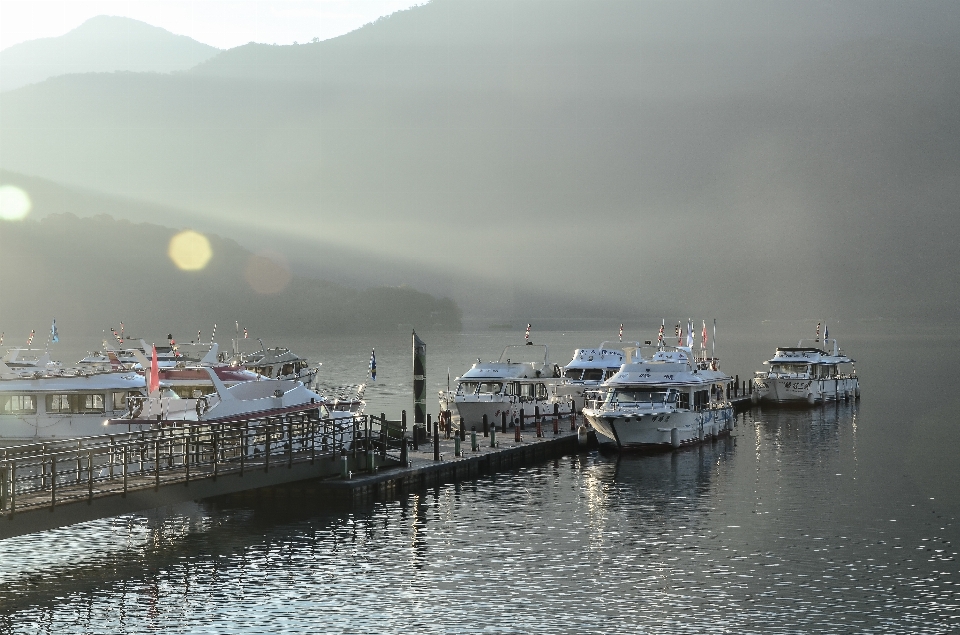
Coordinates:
[832,520]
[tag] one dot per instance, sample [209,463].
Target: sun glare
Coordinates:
[189,250]
[14,203]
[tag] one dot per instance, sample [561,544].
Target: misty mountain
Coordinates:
[103,44]
[91,272]
[571,157]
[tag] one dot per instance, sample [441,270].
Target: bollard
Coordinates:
[503,422]
[436,441]
[521,418]
[536,419]
[486,426]
[463,431]
[456,445]
[493,437]
[573,415]
[404,452]
[344,467]
[473,440]
[556,419]
[516,433]
[372,461]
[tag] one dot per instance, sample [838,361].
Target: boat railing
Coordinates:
[38,475]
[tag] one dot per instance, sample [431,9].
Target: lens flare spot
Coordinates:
[189,250]
[14,203]
[267,273]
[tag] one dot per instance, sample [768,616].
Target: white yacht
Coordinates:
[507,386]
[666,400]
[278,363]
[807,374]
[61,403]
[590,367]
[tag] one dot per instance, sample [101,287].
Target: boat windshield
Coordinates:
[467,388]
[573,373]
[490,387]
[792,369]
[593,374]
[639,396]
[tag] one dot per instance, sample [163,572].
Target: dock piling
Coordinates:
[473,437]
[486,426]
[503,422]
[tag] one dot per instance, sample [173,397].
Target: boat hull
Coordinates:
[658,430]
[470,411]
[804,392]
[29,429]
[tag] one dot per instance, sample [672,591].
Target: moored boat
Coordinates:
[667,400]
[807,374]
[508,386]
[590,367]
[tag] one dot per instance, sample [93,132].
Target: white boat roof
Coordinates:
[810,352]
[507,368]
[666,367]
[80,380]
[604,357]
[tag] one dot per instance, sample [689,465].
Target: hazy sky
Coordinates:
[220,23]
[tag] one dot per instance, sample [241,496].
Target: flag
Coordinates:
[30,338]
[121,331]
[527,334]
[818,331]
[116,335]
[237,322]
[826,333]
[621,332]
[660,336]
[690,333]
[704,343]
[153,383]
[679,341]
[373,364]
[244,332]
[54,336]
[214,334]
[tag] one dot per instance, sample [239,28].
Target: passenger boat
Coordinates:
[248,401]
[667,400]
[277,363]
[590,367]
[507,386]
[60,403]
[806,374]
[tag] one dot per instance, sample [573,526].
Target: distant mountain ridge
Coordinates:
[752,157]
[102,44]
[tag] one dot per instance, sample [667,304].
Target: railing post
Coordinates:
[43,467]
[79,461]
[266,449]
[90,477]
[289,444]
[503,422]
[3,488]
[53,482]
[215,442]
[186,454]
[125,470]
[13,487]
[312,431]
[113,454]
[156,464]
[486,426]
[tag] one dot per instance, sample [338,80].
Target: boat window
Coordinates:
[638,395]
[90,402]
[490,388]
[541,391]
[18,405]
[609,374]
[120,399]
[467,388]
[593,374]
[573,373]
[526,392]
[684,403]
[508,390]
[287,369]
[792,369]
[190,392]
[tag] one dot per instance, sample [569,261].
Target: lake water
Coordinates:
[837,519]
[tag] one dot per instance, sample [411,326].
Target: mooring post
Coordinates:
[456,445]
[493,437]
[516,432]
[13,487]
[538,421]
[113,455]
[486,426]
[738,385]
[79,462]
[573,415]
[3,487]
[404,452]
[521,418]
[503,422]
[463,430]
[473,438]
[556,419]
[436,440]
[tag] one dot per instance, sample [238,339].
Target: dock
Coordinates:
[49,485]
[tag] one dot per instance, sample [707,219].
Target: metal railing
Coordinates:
[46,475]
